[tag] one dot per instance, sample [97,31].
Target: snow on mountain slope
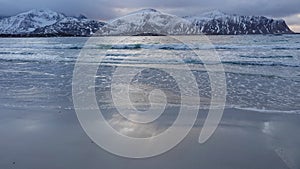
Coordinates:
[74,26]
[142,22]
[146,21]
[28,21]
[207,16]
[217,22]
[47,22]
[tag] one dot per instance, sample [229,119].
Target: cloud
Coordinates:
[294,22]
[107,9]
[92,8]
[293,19]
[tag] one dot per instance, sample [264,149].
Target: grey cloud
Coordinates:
[106,9]
[293,20]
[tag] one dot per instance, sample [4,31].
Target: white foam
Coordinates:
[266,110]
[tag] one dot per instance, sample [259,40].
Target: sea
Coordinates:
[40,129]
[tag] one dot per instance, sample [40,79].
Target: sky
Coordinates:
[108,9]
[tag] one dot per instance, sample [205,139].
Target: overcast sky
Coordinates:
[107,9]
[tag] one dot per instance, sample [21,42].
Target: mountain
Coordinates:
[217,22]
[42,22]
[72,26]
[28,21]
[146,21]
[142,22]
[1,17]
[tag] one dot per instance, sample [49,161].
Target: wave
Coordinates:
[44,46]
[36,59]
[191,47]
[153,46]
[172,46]
[17,53]
[120,54]
[266,57]
[252,63]
[265,110]
[286,48]
[137,46]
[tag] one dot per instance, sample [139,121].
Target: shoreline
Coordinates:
[70,35]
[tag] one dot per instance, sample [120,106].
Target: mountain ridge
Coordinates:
[217,22]
[44,22]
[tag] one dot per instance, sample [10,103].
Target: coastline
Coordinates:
[70,35]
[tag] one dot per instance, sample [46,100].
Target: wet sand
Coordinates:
[53,138]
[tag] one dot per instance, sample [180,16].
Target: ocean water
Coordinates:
[262,72]
[39,127]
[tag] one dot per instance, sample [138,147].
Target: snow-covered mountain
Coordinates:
[146,21]
[71,26]
[28,21]
[142,22]
[217,22]
[48,22]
